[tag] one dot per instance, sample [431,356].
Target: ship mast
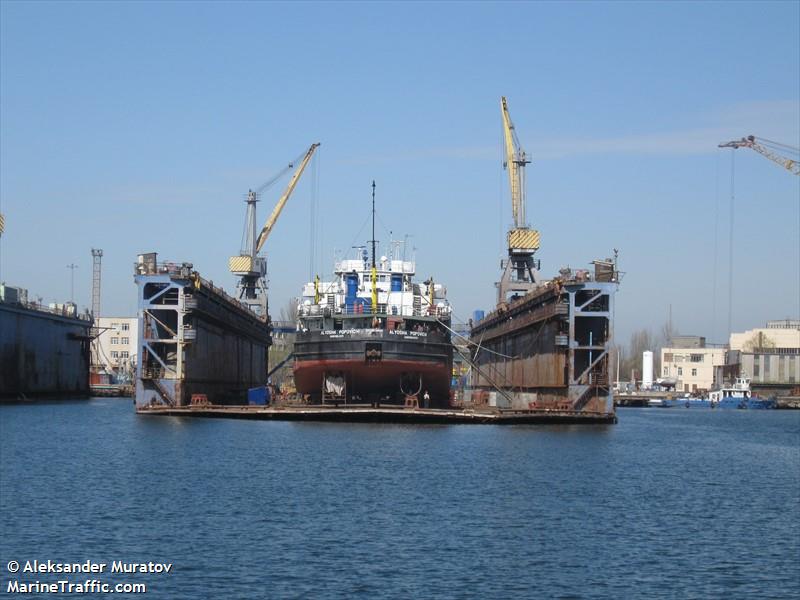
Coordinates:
[374,272]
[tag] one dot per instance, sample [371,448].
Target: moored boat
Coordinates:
[735,395]
[374,335]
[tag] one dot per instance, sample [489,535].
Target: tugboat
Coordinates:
[374,336]
[735,395]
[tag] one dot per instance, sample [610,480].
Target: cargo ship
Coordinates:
[372,335]
[546,344]
[44,349]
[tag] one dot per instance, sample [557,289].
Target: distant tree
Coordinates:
[641,340]
[758,340]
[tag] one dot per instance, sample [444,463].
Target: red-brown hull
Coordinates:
[388,380]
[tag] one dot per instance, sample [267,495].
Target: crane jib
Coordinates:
[265,231]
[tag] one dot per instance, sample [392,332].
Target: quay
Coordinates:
[385,414]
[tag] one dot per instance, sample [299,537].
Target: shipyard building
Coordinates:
[117,343]
[769,356]
[694,365]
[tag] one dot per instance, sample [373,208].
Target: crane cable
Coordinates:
[265,186]
[777,145]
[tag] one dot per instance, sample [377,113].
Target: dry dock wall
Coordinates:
[42,354]
[548,349]
[195,340]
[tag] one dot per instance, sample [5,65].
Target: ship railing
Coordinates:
[366,310]
[152,373]
[595,377]
[184,270]
[61,310]
[173,268]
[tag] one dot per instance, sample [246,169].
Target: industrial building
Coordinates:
[769,355]
[117,342]
[692,363]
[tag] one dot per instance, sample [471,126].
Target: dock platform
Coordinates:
[384,414]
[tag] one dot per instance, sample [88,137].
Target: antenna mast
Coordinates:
[374,271]
[373,223]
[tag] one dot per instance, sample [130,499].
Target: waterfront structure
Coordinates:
[44,350]
[117,342]
[770,355]
[546,345]
[695,367]
[195,343]
[550,348]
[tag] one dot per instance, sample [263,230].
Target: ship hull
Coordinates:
[374,366]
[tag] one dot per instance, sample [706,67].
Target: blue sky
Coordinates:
[139,127]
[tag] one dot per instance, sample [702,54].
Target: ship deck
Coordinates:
[385,414]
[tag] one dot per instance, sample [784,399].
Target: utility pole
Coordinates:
[2,229]
[72,267]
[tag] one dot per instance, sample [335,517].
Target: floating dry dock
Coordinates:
[194,339]
[44,351]
[372,414]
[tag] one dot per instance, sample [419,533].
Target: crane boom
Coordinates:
[756,144]
[276,212]
[515,161]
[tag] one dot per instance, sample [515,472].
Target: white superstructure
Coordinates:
[396,294]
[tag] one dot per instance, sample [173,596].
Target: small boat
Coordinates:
[739,395]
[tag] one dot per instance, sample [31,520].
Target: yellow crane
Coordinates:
[248,266]
[772,150]
[519,271]
[276,212]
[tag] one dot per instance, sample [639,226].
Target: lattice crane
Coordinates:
[772,150]
[248,266]
[519,271]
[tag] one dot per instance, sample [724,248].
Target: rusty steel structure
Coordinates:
[546,345]
[549,349]
[194,339]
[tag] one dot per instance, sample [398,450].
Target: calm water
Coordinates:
[668,503]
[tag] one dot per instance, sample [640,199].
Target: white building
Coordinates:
[117,345]
[771,354]
[694,367]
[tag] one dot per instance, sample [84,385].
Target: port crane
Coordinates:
[772,150]
[520,270]
[248,266]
